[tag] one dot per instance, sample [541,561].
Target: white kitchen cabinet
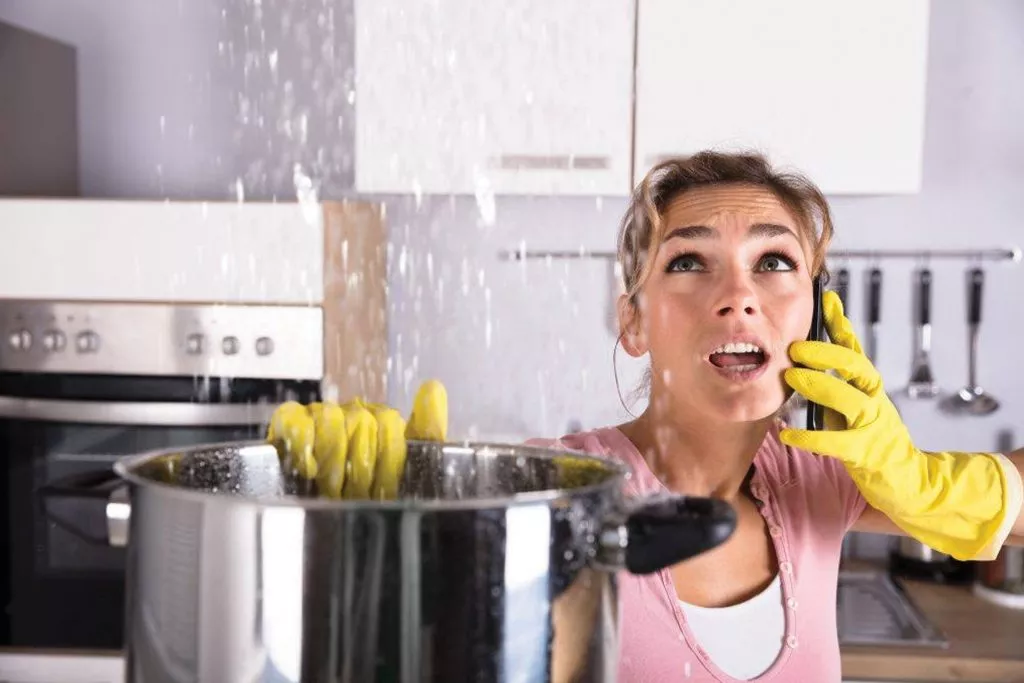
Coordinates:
[836,90]
[118,250]
[471,97]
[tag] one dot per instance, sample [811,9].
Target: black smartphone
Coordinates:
[815,412]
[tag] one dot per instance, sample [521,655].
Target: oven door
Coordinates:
[66,583]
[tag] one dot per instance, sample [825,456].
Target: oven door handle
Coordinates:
[140,413]
[105,495]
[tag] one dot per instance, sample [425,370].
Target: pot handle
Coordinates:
[664,530]
[110,507]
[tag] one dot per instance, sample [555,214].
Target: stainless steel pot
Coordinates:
[912,559]
[912,549]
[497,564]
[1002,580]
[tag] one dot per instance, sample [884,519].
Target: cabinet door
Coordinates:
[835,89]
[464,96]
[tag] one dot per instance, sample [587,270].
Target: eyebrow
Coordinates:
[703,232]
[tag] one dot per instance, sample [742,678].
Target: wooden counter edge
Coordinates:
[873,663]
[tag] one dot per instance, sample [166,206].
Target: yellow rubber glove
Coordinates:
[961,504]
[429,418]
[330,447]
[293,432]
[356,450]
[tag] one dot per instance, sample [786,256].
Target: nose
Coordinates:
[738,298]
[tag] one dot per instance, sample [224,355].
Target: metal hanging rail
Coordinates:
[1012,254]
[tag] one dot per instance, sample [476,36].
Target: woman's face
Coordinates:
[730,290]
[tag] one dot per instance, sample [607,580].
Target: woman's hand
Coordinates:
[355,450]
[963,504]
[858,411]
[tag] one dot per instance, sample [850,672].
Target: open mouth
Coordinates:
[738,357]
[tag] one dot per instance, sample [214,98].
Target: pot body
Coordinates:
[234,592]
[450,584]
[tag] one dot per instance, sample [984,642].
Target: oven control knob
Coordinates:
[264,346]
[194,344]
[20,340]
[87,342]
[54,340]
[230,346]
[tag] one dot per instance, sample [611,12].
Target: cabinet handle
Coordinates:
[541,162]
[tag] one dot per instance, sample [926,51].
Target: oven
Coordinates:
[84,383]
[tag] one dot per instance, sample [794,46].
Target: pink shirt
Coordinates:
[809,503]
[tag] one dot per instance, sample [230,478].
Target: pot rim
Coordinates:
[125,468]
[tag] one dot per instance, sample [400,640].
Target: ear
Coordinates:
[633,339]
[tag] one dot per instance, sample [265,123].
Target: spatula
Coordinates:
[922,383]
[874,312]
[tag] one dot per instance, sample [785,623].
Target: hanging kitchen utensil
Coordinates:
[843,288]
[874,312]
[922,381]
[874,306]
[972,399]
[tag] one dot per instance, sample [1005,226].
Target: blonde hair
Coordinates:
[642,230]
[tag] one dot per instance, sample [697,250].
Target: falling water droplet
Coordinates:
[485,204]
[307,195]
[417,191]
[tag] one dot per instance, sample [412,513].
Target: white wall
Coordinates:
[526,348]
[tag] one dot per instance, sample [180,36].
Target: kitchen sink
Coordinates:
[873,610]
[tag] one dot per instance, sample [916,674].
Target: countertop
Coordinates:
[986,641]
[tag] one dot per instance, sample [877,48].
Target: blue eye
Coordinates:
[685,263]
[773,263]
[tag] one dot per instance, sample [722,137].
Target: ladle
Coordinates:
[972,399]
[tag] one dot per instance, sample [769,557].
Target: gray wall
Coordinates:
[38,115]
[524,349]
[180,99]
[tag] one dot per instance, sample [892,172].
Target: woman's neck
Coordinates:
[696,456]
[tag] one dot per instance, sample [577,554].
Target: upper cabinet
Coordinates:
[464,96]
[836,90]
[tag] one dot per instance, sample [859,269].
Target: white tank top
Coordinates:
[742,640]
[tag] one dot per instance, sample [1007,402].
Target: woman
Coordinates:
[718,253]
